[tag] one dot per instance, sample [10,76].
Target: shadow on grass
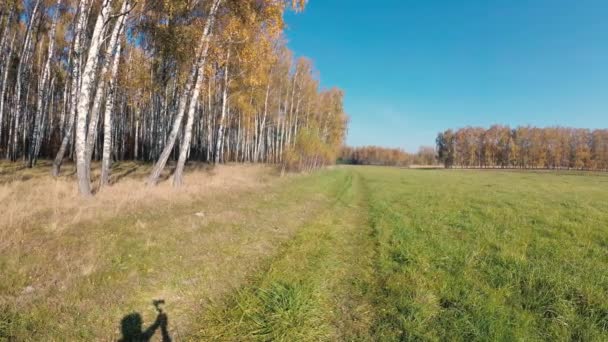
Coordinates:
[132,170]
[16,171]
[131,326]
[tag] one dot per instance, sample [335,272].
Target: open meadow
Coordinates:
[347,253]
[295,170]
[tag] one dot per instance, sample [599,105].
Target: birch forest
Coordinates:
[524,147]
[160,81]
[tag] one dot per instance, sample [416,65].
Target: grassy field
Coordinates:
[488,255]
[351,253]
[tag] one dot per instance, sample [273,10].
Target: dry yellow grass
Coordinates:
[29,197]
[73,267]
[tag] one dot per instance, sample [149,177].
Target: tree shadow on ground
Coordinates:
[128,170]
[131,326]
[124,170]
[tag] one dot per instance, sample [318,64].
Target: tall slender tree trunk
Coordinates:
[260,137]
[197,69]
[42,90]
[295,124]
[108,62]
[289,115]
[136,138]
[220,130]
[64,106]
[79,27]
[48,109]
[5,28]
[281,138]
[185,146]
[5,64]
[82,110]
[23,61]
[5,83]
[209,121]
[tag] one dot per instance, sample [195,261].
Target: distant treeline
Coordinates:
[524,147]
[375,155]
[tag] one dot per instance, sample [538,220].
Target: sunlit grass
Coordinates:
[316,288]
[352,253]
[474,255]
[186,247]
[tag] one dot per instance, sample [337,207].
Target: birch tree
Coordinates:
[79,27]
[194,80]
[43,91]
[209,80]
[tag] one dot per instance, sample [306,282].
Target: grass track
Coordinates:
[317,288]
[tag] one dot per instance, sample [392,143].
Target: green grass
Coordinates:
[488,255]
[316,288]
[406,255]
[353,254]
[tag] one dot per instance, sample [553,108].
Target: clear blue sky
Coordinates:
[411,68]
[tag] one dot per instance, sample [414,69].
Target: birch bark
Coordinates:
[42,90]
[91,137]
[82,108]
[81,22]
[220,130]
[23,61]
[193,81]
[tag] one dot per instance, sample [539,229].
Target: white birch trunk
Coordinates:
[42,90]
[110,48]
[107,120]
[193,81]
[79,27]
[258,148]
[82,108]
[136,139]
[295,124]
[23,60]
[209,119]
[5,82]
[220,130]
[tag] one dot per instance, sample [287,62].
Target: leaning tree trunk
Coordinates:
[82,108]
[94,118]
[164,156]
[80,26]
[196,71]
[185,147]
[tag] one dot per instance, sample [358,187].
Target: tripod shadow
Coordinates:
[131,326]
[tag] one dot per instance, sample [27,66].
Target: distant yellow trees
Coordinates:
[524,147]
[375,155]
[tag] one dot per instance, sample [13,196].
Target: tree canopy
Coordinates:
[221,65]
